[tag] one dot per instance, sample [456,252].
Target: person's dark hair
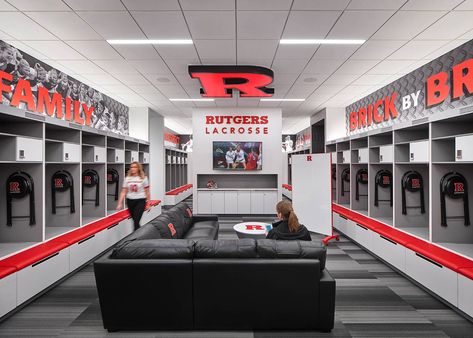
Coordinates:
[287,212]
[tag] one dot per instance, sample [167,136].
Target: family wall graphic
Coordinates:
[443,84]
[27,83]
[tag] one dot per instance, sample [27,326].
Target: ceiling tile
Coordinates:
[65,25]
[5,36]
[446,48]
[247,102]
[323,66]
[313,80]
[116,89]
[156,66]
[356,66]
[102,79]
[43,5]
[261,24]
[335,51]
[255,62]
[320,4]
[211,24]
[377,49]
[113,25]
[82,66]
[151,5]
[102,5]
[115,66]
[162,25]
[177,51]
[341,79]
[284,79]
[56,50]
[359,24]
[132,79]
[451,26]
[325,90]
[4,6]
[309,24]
[27,49]
[371,79]
[390,66]
[258,49]
[221,61]
[158,79]
[417,49]
[275,5]
[404,25]
[137,52]
[209,49]
[21,27]
[289,66]
[172,91]
[208,4]
[95,50]
[180,66]
[375,4]
[296,51]
[431,5]
[466,5]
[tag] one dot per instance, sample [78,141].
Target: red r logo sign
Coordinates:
[459,188]
[309,158]
[254,227]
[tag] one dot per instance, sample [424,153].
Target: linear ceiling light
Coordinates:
[191,100]
[282,100]
[151,42]
[321,42]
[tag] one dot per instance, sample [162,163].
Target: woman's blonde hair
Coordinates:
[287,212]
[141,172]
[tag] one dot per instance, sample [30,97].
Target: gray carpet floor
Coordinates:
[372,301]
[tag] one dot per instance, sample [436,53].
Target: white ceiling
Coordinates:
[401,36]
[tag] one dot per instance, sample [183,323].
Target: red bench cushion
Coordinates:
[35,254]
[6,270]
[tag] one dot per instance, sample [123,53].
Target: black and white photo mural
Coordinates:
[30,84]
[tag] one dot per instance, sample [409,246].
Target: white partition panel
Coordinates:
[312,191]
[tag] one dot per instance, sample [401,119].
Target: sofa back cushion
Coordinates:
[267,248]
[225,248]
[180,219]
[165,226]
[155,249]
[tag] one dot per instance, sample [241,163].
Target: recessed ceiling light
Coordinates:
[192,100]
[151,42]
[163,79]
[282,100]
[321,42]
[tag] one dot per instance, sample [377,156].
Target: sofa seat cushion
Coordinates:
[205,225]
[203,233]
[267,248]
[154,249]
[225,248]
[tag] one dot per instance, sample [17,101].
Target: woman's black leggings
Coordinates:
[136,208]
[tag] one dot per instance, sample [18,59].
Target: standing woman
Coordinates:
[136,190]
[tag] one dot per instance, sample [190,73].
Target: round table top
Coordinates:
[252,228]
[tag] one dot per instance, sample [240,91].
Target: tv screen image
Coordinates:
[233,155]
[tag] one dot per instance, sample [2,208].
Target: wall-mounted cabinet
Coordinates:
[20,149]
[63,152]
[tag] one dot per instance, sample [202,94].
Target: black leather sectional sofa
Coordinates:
[200,283]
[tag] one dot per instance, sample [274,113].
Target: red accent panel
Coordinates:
[178,190]
[6,270]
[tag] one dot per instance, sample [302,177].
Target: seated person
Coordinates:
[288,228]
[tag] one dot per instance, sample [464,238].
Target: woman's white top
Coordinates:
[136,187]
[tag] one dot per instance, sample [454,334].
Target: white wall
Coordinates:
[139,122]
[202,155]
[156,164]
[334,123]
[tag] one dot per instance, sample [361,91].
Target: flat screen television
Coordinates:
[239,156]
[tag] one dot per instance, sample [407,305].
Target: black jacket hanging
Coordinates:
[454,185]
[113,178]
[62,181]
[412,181]
[361,178]
[90,179]
[383,179]
[20,185]
[345,176]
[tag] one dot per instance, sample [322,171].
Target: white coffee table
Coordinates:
[255,230]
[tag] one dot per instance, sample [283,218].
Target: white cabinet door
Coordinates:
[339,222]
[244,202]
[231,202]
[100,154]
[7,294]
[257,202]
[364,236]
[145,157]
[465,294]
[463,148]
[29,149]
[269,202]
[346,156]
[71,152]
[392,252]
[134,156]
[363,155]
[386,154]
[419,151]
[204,202]
[218,202]
[119,155]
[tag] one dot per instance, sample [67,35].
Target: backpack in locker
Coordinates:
[412,181]
[20,185]
[345,176]
[454,186]
[62,181]
[113,178]
[91,179]
[383,179]
[361,178]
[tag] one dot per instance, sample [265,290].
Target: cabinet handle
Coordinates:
[359,158]
[86,239]
[459,154]
[429,260]
[66,156]
[96,158]
[387,239]
[380,157]
[21,154]
[343,217]
[112,226]
[45,259]
[116,159]
[361,226]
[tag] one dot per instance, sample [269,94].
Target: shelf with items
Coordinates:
[411,198]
